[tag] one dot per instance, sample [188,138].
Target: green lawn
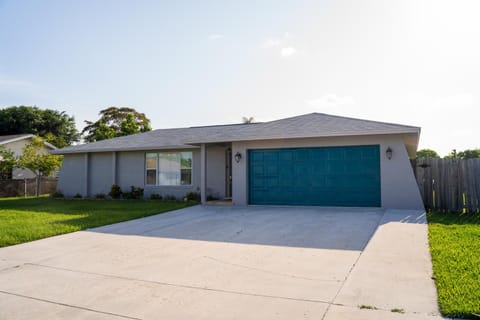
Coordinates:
[455,247]
[23,220]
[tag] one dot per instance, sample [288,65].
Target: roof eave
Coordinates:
[17,139]
[146,148]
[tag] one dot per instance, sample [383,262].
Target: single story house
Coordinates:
[16,143]
[311,159]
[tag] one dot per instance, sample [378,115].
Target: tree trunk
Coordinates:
[37,185]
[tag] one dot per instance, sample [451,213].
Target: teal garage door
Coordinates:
[327,176]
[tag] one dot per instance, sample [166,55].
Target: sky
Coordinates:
[190,63]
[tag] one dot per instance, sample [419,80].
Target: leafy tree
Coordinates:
[452,155]
[120,121]
[40,163]
[103,131]
[469,154]
[427,153]
[7,163]
[54,126]
[129,126]
[248,119]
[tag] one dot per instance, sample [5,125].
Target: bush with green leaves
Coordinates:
[193,196]
[58,195]
[170,198]
[78,196]
[155,196]
[134,193]
[211,198]
[115,191]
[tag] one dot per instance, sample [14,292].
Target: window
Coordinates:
[151,165]
[169,168]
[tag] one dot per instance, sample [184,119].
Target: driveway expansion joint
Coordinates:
[205,288]
[354,264]
[69,305]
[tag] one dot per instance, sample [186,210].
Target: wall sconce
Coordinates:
[389,153]
[238,157]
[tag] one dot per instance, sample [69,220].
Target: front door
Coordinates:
[228,173]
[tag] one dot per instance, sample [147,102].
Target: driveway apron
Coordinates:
[209,262]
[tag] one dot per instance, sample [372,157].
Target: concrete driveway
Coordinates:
[209,262]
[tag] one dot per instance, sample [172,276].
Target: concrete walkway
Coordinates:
[228,263]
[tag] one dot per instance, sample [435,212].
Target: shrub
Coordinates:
[100,196]
[155,196]
[135,193]
[170,198]
[58,194]
[193,196]
[77,196]
[115,191]
[211,198]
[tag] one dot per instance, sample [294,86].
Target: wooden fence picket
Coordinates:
[449,184]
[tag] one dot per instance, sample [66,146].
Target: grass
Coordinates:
[455,248]
[27,219]
[364,306]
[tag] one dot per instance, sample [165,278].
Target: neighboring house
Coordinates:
[312,159]
[16,143]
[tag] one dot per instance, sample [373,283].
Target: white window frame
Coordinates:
[157,170]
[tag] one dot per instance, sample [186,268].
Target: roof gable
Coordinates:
[18,137]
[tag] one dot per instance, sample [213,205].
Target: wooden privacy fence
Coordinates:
[22,187]
[449,185]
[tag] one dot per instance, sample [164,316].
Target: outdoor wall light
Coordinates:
[238,157]
[389,153]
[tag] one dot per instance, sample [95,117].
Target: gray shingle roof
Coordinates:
[303,126]
[14,137]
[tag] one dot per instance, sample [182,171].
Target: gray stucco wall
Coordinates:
[216,161]
[398,186]
[123,168]
[130,169]
[100,175]
[72,175]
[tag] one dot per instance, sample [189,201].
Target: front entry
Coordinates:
[228,173]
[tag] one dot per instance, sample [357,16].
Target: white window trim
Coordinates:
[157,171]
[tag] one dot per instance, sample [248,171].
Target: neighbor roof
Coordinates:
[17,137]
[313,125]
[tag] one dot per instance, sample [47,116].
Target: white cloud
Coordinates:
[215,36]
[287,51]
[283,42]
[271,43]
[330,100]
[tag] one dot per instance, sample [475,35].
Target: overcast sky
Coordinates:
[186,63]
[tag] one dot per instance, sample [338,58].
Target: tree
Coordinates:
[452,155]
[119,121]
[54,126]
[40,163]
[129,126]
[7,163]
[469,154]
[427,153]
[248,119]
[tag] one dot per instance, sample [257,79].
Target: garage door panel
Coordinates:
[329,176]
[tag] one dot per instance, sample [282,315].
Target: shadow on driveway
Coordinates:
[306,227]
